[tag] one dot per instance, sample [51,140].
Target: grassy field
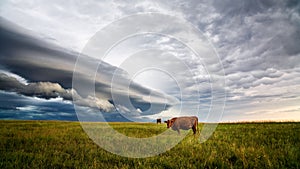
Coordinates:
[50,144]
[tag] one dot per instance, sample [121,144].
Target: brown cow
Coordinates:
[158,121]
[184,123]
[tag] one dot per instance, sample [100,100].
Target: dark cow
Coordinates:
[184,123]
[158,121]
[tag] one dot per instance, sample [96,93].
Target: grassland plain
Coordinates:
[53,144]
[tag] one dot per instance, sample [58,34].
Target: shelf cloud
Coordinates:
[48,70]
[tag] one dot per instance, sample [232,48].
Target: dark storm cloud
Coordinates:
[36,60]
[49,71]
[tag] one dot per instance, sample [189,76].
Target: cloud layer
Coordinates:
[257,42]
[48,71]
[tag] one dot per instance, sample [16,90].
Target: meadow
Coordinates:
[56,144]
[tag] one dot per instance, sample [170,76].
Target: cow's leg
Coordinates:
[194,129]
[178,131]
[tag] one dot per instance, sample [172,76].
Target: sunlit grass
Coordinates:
[50,144]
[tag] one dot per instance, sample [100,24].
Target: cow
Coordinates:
[158,121]
[184,123]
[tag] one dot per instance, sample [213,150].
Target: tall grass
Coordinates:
[50,144]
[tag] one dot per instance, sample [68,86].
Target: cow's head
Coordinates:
[170,122]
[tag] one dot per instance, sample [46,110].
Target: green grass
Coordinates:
[51,144]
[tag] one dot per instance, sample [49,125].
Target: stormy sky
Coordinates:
[257,43]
